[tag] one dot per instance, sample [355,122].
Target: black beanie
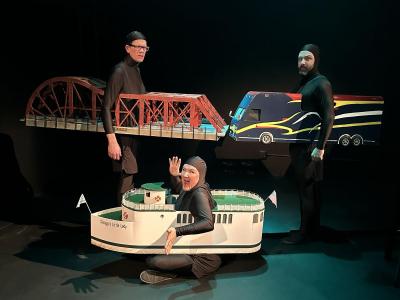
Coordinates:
[314,49]
[134,35]
[200,165]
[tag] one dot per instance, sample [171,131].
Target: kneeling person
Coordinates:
[194,196]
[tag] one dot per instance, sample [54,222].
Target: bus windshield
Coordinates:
[239,113]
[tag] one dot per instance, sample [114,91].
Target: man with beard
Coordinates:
[195,196]
[125,78]
[307,158]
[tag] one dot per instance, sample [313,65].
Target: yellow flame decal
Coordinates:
[290,131]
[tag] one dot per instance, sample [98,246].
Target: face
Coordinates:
[189,176]
[305,62]
[137,50]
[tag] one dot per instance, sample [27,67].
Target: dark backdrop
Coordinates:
[219,48]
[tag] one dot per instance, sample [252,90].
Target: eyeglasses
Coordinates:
[144,48]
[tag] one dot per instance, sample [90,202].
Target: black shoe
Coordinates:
[295,237]
[151,276]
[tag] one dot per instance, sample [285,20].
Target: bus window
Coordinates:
[253,114]
[178,218]
[218,218]
[184,219]
[213,218]
[224,219]
[230,219]
[261,216]
[190,220]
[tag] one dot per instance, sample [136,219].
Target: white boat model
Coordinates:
[140,224]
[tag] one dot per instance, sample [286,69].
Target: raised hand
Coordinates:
[174,166]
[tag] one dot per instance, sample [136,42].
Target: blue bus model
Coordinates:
[268,117]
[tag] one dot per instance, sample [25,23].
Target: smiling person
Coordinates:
[307,158]
[125,78]
[195,196]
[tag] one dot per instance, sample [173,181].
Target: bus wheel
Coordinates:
[357,140]
[344,140]
[266,138]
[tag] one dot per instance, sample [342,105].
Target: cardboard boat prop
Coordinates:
[140,224]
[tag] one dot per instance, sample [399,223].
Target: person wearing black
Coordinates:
[307,158]
[125,78]
[195,196]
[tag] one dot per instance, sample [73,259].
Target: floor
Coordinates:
[45,250]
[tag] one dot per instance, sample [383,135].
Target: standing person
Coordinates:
[125,78]
[195,196]
[307,158]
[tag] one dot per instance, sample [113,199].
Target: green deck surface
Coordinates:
[220,199]
[136,198]
[115,215]
[153,186]
[235,200]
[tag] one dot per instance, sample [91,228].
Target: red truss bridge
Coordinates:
[75,103]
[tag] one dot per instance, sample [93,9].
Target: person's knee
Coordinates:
[151,261]
[156,262]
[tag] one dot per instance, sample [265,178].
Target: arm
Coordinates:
[201,211]
[113,89]
[326,112]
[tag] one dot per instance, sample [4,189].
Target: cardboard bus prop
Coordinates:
[268,117]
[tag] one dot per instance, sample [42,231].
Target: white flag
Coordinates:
[273,198]
[81,201]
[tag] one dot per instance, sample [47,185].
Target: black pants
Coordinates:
[200,265]
[308,176]
[177,263]
[126,166]
[125,184]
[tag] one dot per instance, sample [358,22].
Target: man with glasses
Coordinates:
[125,78]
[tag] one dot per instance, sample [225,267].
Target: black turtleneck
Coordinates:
[317,97]
[199,202]
[125,78]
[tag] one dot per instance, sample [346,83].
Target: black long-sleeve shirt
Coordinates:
[200,203]
[125,78]
[317,97]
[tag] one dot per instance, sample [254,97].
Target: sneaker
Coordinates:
[151,276]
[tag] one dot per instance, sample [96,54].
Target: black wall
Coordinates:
[220,48]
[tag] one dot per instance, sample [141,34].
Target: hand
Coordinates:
[171,237]
[174,165]
[114,150]
[317,154]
